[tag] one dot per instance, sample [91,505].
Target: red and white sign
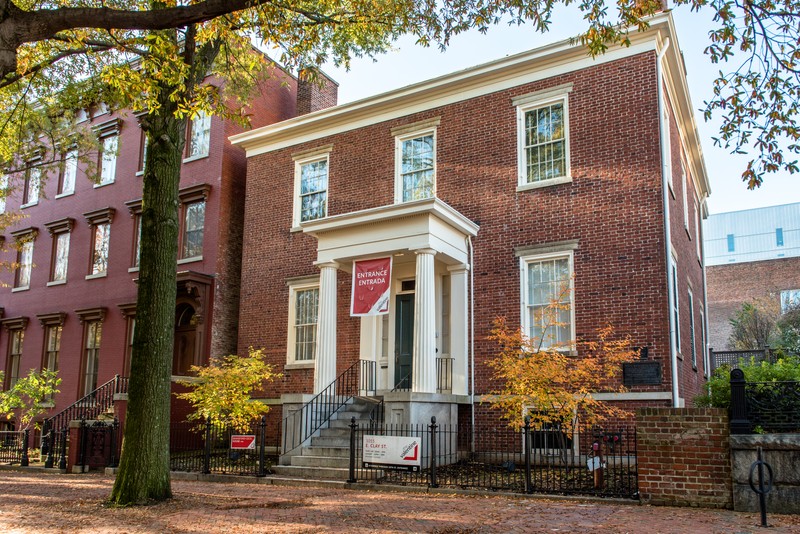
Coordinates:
[392,451]
[371,283]
[243,442]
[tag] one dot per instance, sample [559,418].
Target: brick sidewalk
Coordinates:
[44,502]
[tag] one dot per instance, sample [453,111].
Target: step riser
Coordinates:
[320,461]
[331,452]
[329,442]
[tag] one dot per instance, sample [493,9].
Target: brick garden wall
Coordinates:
[684,457]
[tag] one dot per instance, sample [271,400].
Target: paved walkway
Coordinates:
[44,502]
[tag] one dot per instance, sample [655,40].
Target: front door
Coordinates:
[403,340]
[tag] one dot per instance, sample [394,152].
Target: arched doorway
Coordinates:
[185,348]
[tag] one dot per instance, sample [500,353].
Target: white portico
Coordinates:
[421,346]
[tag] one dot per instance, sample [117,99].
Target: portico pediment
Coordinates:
[423,224]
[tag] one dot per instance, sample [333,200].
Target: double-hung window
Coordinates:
[53,324]
[33,184]
[416,172]
[543,138]
[60,231]
[548,303]
[100,223]
[692,339]
[108,133]
[14,356]
[675,335]
[197,145]
[92,319]
[193,214]
[303,317]
[135,209]
[311,185]
[69,173]
[24,240]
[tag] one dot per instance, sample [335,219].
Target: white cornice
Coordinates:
[431,206]
[540,63]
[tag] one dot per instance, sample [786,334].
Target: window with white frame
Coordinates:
[704,342]
[108,159]
[192,235]
[33,184]
[100,222]
[543,138]
[199,136]
[69,173]
[675,336]
[60,231]
[311,186]
[416,166]
[790,299]
[547,300]
[24,244]
[692,340]
[303,317]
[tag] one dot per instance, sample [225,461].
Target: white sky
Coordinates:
[409,63]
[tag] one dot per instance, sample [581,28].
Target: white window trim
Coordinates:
[692,330]
[304,158]
[398,158]
[523,264]
[675,309]
[113,173]
[527,103]
[199,155]
[294,287]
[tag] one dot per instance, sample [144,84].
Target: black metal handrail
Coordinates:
[404,384]
[301,425]
[444,375]
[89,406]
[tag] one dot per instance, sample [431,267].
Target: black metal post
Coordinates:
[114,429]
[432,427]
[761,490]
[50,443]
[207,455]
[82,443]
[527,431]
[62,462]
[262,464]
[24,461]
[353,427]
[740,423]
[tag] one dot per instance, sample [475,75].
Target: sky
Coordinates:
[408,63]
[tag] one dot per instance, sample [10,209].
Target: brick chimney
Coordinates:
[315,91]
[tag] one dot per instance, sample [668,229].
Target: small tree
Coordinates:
[754,325]
[29,397]
[222,391]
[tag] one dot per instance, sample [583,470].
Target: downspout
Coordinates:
[706,357]
[471,343]
[665,156]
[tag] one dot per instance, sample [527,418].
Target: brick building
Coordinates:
[488,188]
[71,305]
[752,255]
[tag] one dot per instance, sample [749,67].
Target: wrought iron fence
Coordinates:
[444,375]
[582,460]
[735,358]
[210,448]
[13,446]
[764,407]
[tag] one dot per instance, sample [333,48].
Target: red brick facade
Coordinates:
[683,457]
[215,274]
[612,208]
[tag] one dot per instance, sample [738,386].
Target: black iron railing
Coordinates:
[584,460]
[404,384]
[208,448]
[13,446]
[736,358]
[301,425]
[444,375]
[764,407]
[96,403]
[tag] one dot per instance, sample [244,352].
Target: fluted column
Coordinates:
[424,358]
[325,364]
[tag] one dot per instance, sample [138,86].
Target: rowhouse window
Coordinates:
[52,346]
[60,257]
[313,189]
[192,237]
[543,138]
[33,183]
[101,233]
[692,339]
[14,356]
[69,173]
[548,302]
[303,310]
[94,330]
[108,160]
[137,239]
[25,260]
[675,338]
[143,152]
[199,136]
[417,166]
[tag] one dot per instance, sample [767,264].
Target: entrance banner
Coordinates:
[371,284]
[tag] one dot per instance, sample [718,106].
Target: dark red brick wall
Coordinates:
[613,208]
[730,286]
[690,272]
[684,457]
[314,95]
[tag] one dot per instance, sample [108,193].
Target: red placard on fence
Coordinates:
[243,442]
[371,282]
